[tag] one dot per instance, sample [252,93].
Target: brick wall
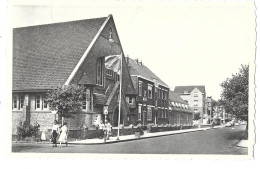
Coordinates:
[17,117]
[44,119]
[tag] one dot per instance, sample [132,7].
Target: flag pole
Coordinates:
[120,94]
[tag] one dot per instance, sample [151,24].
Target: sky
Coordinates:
[184,43]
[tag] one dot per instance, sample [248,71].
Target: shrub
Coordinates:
[24,129]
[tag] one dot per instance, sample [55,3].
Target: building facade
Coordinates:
[179,111]
[152,100]
[51,55]
[195,96]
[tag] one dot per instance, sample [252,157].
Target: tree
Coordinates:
[67,100]
[196,116]
[234,96]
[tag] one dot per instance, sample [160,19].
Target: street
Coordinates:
[214,141]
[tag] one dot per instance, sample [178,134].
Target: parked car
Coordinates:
[236,124]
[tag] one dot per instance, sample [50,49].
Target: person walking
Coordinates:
[101,128]
[54,133]
[108,127]
[63,135]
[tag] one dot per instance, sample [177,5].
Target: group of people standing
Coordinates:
[105,130]
[60,131]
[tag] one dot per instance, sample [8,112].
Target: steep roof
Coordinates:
[141,70]
[175,97]
[182,89]
[45,55]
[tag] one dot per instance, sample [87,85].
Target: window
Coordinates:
[149,113]
[84,102]
[165,113]
[45,104]
[139,112]
[130,100]
[87,99]
[162,92]
[195,110]
[117,77]
[21,101]
[195,103]
[140,88]
[145,93]
[156,89]
[15,102]
[109,72]
[38,102]
[195,95]
[100,71]
[150,90]
[165,95]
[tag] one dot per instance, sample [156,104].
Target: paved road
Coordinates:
[214,141]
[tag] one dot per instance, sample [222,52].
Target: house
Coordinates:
[180,113]
[195,96]
[152,100]
[51,55]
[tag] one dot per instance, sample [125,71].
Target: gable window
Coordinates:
[195,95]
[150,91]
[15,102]
[140,88]
[21,101]
[139,112]
[100,71]
[149,113]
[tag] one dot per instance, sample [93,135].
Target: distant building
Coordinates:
[180,113]
[195,96]
[210,113]
[152,100]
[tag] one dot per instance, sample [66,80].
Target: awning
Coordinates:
[175,109]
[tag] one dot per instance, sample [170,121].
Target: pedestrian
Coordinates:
[63,135]
[101,128]
[54,133]
[108,128]
[43,136]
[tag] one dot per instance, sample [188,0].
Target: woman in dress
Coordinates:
[108,127]
[63,135]
[54,133]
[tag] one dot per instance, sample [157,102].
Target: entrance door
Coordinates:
[115,119]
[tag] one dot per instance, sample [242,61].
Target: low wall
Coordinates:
[154,129]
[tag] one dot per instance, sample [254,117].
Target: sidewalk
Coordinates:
[243,144]
[132,137]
